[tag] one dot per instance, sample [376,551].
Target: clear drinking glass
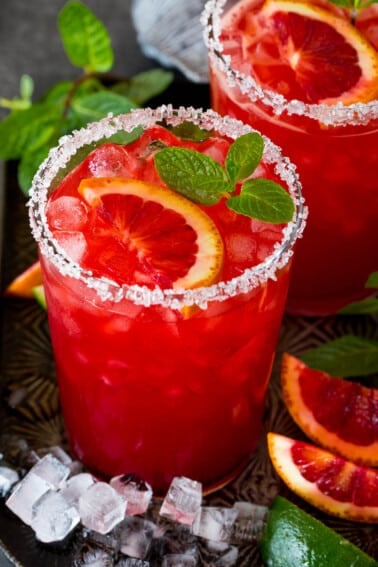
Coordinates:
[335,150]
[161,382]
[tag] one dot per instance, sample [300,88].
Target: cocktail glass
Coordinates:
[164,382]
[335,149]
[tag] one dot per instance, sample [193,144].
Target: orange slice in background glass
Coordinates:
[319,56]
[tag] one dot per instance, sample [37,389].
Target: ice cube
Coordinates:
[111,161]
[25,494]
[174,539]
[214,523]
[57,452]
[101,507]
[67,213]
[73,243]
[52,470]
[241,248]
[135,490]
[249,523]
[135,536]
[8,477]
[178,560]
[108,542]
[131,562]
[223,554]
[182,501]
[53,518]
[96,558]
[75,487]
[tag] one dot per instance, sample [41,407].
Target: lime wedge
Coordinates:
[293,538]
[39,294]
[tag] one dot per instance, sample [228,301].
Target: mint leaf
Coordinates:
[346,356]
[264,200]
[189,131]
[197,176]
[25,128]
[144,86]
[372,280]
[93,107]
[85,39]
[244,155]
[28,166]
[366,306]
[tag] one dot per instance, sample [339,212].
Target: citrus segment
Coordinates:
[312,54]
[328,482]
[293,538]
[337,414]
[22,285]
[147,234]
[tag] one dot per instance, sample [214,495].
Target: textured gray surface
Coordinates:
[30,43]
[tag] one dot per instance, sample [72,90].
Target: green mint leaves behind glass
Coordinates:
[350,356]
[203,180]
[31,129]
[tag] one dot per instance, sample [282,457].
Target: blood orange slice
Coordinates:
[328,482]
[337,414]
[142,233]
[315,54]
[22,285]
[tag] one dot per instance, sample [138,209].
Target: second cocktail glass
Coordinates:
[334,146]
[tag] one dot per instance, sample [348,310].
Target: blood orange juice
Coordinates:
[164,314]
[304,76]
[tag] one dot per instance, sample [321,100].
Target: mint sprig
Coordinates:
[367,306]
[347,356]
[31,129]
[203,180]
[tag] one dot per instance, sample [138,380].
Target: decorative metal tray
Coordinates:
[29,407]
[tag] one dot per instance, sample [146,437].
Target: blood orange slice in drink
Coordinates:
[328,482]
[337,414]
[142,233]
[304,51]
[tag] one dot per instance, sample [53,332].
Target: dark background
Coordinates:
[30,42]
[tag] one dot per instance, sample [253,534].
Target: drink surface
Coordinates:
[336,162]
[152,390]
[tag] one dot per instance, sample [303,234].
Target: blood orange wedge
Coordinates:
[328,482]
[22,285]
[146,234]
[315,54]
[337,414]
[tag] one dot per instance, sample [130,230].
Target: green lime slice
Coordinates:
[39,294]
[293,538]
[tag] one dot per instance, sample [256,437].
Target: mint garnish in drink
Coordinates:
[203,180]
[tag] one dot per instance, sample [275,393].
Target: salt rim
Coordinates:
[109,290]
[331,115]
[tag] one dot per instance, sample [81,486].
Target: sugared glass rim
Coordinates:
[337,114]
[109,290]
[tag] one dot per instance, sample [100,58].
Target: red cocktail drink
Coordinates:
[161,371]
[289,71]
